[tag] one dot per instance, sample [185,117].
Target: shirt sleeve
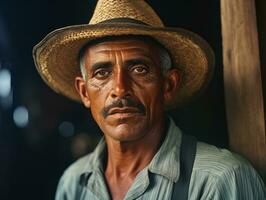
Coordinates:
[68,187]
[61,190]
[238,183]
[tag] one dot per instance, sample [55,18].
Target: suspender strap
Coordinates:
[187,157]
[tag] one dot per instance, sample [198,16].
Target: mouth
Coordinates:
[125,112]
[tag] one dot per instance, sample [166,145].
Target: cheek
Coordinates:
[151,94]
[98,89]
[98,94]
[157,99]
[95,85]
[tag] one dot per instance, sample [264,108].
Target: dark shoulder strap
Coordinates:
[187,157]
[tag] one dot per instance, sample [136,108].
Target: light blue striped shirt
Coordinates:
[217,174]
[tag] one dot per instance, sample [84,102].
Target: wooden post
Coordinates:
[242,81]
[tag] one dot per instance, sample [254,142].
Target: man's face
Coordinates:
[124,88]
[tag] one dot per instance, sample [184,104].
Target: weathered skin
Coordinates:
[126,92]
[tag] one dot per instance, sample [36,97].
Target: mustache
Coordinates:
[124,102]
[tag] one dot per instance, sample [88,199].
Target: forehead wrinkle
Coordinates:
[106,51]
[116,55]
[122,55]
[100,57]
[109,54]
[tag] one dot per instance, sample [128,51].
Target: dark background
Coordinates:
[34,153]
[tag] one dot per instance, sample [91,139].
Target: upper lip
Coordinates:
[124,110]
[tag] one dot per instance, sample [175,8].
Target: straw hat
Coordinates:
[56,56]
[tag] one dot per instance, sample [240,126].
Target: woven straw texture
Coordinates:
[134,9]
[56,56]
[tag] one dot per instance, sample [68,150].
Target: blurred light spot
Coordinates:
[80,145]
[66,129]
[5,83]
[21,117]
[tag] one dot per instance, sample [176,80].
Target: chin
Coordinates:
[126,132]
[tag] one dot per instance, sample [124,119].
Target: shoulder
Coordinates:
[222,174]
[69,186]
[72,182]
[87,163]
[75,170]
[79,165]
[215,160]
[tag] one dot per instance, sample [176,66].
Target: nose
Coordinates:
[121,85]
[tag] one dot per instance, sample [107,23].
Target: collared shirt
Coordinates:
[217,174]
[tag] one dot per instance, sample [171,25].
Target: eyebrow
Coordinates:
[102,64]
[135,61]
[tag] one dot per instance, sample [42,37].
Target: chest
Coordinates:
[154,187]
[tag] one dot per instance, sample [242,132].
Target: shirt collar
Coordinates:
[96,159]
[167,155]
[166,160]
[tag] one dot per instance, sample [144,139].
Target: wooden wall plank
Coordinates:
[242,81]
[261,16]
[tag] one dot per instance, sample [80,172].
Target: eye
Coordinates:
[140,69]
[102,73]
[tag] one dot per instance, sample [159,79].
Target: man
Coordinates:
[132,68]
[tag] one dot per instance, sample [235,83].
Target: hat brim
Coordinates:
[56,56]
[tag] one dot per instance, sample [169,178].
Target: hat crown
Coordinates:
[133,9]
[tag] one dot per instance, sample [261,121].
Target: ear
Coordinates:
[172,80]
[80,85]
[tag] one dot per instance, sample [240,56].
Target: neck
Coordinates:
[127,159]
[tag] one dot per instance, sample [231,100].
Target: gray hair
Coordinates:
[165,59]
[82,67]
